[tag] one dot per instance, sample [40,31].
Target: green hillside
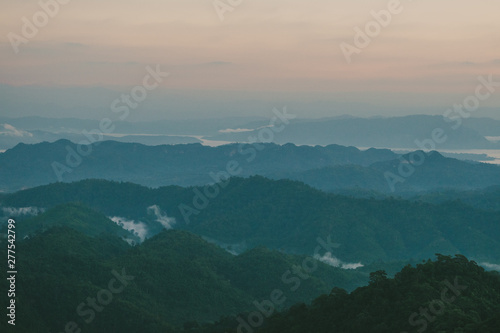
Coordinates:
[177,277]
[75,216]
[446,295]
[291,216]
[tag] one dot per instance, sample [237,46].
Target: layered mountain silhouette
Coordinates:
[329,168]
[286,215]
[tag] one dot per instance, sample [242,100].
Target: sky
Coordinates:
[248,57]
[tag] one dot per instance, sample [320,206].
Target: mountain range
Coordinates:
[328,168]
[387,132]
[251,238]
[251,212]
[393,132]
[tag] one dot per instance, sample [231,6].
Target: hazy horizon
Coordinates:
[263,54]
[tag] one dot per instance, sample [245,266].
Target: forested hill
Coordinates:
[451,294]
[170,279]
[253,211]
[176,279]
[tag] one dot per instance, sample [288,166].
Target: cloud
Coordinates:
[331,260]
[10,130]
[352,265]
[163,219]
[12,211]
[237,130]
[137,228]
[487,265]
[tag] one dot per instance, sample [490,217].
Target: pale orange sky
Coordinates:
[263,45]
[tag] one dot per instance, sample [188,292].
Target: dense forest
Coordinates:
[178,276]
[252,211]
[225,270]
[176,282]
[450,294]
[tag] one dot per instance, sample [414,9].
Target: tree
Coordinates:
[378,277]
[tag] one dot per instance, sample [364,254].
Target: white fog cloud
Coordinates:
[9,130]
[137,228]
[490,266]
[162,218]
[15,211]
[237,130]
[331,260]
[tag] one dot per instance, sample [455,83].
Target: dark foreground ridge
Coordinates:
[451,294]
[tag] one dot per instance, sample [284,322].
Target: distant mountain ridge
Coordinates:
[435,173]
[190,164]
[389,132]
[331,167]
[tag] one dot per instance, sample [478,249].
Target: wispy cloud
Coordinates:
[10,130]
[22,211]
[331,260]
[236,130]
[137,228]
[161,217]
[490,266]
